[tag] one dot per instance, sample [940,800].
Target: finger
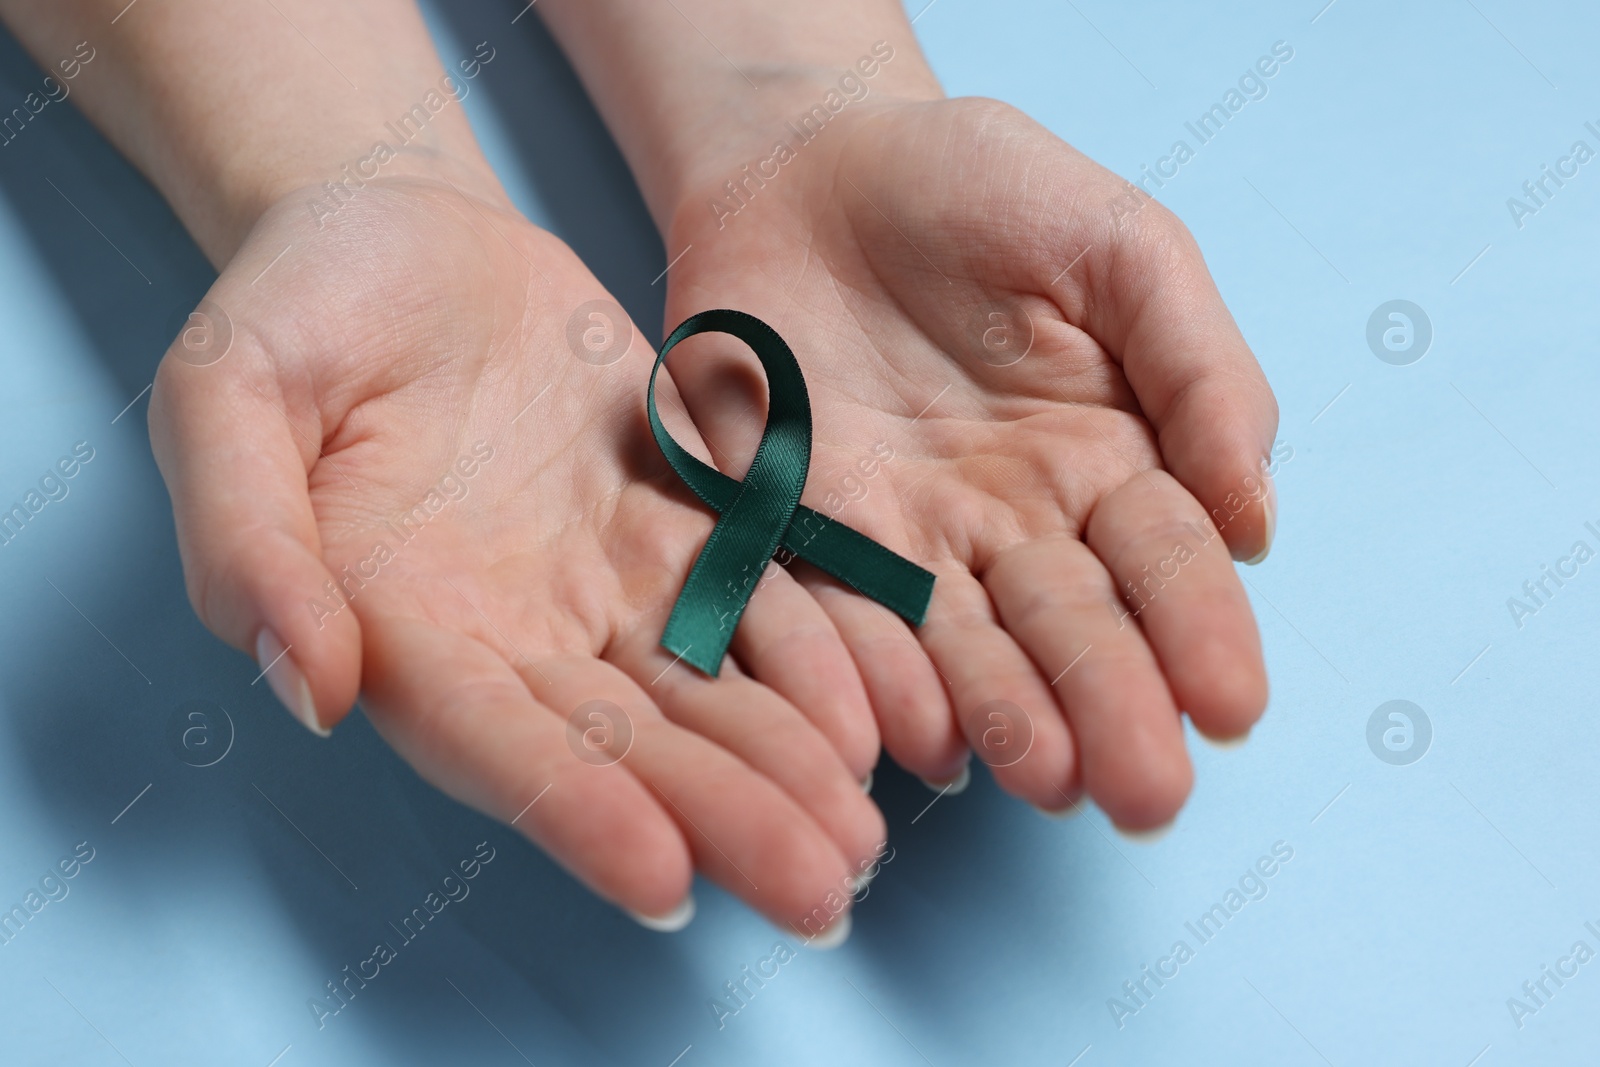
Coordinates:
[1157,309]
[1058,601]
[768,734]
[744,831]
[459,714]
[788,643]
[909,699]
[1177,579]
[236,460]
[1004,707]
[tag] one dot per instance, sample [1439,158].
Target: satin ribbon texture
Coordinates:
[761,513]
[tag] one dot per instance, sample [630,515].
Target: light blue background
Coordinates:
[1378,167]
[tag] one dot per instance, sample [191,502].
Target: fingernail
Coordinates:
[955,785]
[287,683]
[1270,509]
[832,937]
[671,922]
[866,783]
[1150,836]
[1227,744]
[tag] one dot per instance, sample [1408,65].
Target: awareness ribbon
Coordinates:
[763,512]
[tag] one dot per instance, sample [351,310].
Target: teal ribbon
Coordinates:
[763,512]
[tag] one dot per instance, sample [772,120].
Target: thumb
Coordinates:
[235,459]
[1158,311]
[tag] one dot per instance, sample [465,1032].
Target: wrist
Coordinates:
[684,104]
[800,112]
[317,191]
[221,196]
[227,108]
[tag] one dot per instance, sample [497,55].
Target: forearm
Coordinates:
[688,85]
[227,107]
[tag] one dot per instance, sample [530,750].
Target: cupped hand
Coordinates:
[405,458]
[1024,378]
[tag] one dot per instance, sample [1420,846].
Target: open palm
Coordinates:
[395,472]
[1024,379]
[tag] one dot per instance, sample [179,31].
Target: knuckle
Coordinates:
[990,116]
[1160,240]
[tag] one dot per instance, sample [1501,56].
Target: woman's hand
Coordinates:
[391,469]
[1023,378]
[398,463]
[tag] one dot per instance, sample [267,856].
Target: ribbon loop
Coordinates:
[763,512]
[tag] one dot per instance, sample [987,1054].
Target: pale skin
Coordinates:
[1037,491]
[425,315]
